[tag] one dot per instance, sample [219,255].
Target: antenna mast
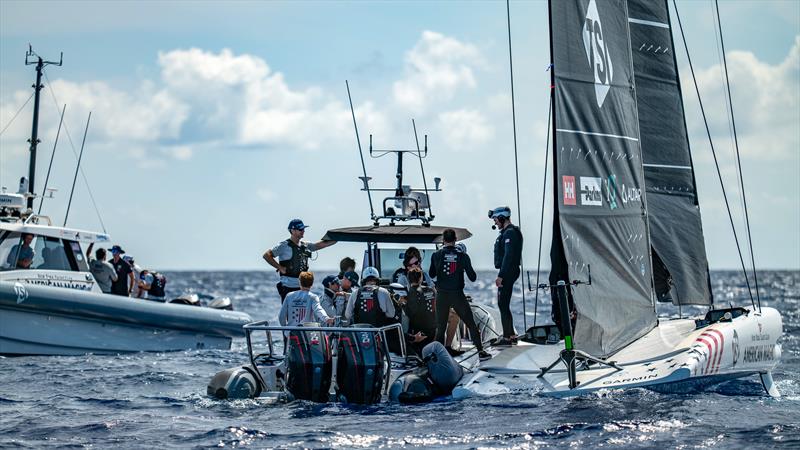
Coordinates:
[34,140]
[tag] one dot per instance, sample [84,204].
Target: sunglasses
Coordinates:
[413,262]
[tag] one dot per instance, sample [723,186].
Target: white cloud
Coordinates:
[465,129]
[766,104]
[435,68]
[181,152]
[265,195]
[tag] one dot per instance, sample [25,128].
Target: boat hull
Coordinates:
[675,357]
[37,320]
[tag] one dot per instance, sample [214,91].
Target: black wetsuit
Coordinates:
[421,311]
[448,266]
[507,258]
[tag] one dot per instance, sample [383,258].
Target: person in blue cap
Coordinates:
[333,299]
[124,284]
[508,259]
[290,257]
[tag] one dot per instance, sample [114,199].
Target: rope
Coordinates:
[17,113]
[52,157]
[541,220]
[738,159]
[516,161]
[72,146]
[714,153]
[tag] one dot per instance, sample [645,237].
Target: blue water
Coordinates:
[158,399]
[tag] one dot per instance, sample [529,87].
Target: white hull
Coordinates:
[676,356]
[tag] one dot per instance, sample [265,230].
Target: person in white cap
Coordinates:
[370,304]
[508,260]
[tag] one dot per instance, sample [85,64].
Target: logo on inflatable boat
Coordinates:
[22,293]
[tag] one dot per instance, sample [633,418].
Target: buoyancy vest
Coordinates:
[157,286]
[499,244]
[450,269]
[367,309]
[421,310]
[299,261]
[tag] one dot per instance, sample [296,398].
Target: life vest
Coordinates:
[299,261]
[499,245]
[157,286]
[422,306]
[367,309]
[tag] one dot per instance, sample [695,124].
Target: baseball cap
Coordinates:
[117,249]
[297,224]
[327,281]
[352,276]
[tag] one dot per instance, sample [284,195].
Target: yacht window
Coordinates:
[79,260]
[50,254]
[17,251]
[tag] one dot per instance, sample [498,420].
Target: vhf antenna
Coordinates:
[365,178]
[32,58]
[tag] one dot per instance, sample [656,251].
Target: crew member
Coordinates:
[333,299]
[448,266]
[370,304]
[103,272]
[347,264]
[154,284]
[292,257]
[412,257]
[302,305]
[21,255]
[124,284]
[507,258]
[349,281]
[420,308]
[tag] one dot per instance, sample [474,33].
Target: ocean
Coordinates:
[158,400]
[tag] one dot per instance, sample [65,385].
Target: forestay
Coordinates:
[600,218]
[680,267]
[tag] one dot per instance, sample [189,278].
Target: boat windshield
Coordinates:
[30,251]
[391,259]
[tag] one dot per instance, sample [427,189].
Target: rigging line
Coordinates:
[17,113]
[738,159]
[77,169]
[544,193]
[516,159]
[74,153]
[52,157]
[422,168]
[714,154]
[360,152]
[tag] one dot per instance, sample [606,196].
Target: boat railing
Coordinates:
[271,357]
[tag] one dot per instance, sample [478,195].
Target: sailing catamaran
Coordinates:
[626,227]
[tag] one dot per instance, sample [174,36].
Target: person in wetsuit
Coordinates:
[290,257]
[419,306]
[448,266]
[508,259]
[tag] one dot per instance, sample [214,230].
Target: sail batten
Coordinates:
[679,257]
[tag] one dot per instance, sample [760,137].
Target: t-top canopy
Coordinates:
[398,234]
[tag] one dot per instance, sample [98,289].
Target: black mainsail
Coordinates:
[680,267]
[600,219]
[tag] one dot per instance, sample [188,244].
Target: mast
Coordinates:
[34,140]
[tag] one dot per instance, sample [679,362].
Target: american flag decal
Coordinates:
[711,343]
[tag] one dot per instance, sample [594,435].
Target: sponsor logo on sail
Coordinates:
[568,183]
[630,194]
[597,53]
[611,191]
[591,191]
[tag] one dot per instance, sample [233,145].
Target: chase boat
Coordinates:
[51,304]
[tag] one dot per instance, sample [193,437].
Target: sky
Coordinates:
[215,123]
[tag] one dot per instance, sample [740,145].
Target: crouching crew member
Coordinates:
[507,258]
[420,308]
[448,266]
[333,298]
[302,305]
[370,304]
[292,257]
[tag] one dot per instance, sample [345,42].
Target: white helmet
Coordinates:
[370,272]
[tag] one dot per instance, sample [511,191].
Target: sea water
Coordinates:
[158,400]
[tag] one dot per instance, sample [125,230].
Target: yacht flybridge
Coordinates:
[51,304]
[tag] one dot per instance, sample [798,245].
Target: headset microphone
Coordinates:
[494,227]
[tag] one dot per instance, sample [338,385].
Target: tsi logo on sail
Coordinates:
[597,53]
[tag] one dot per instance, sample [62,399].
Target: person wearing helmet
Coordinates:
[333,299]
[290,257]
[370,304]
[508,259]
[448,266]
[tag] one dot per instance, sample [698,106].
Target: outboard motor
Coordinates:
[186,299]
[309,365]
[221,303]
[236,383]
[361,367]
